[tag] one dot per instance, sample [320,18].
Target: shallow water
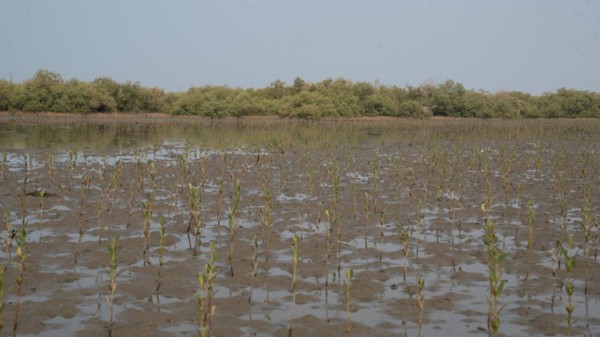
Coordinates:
[446,249]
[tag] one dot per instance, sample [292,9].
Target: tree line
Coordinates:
[46,91]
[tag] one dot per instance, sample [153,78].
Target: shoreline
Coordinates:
[41,118]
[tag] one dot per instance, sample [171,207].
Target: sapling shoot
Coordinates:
[495,257]
[161,253]
[205,296]
[232,226]
[420,300]
[419,221]
[8,238]
[254,265]
[375,178]
[20,238]
[42,195]
[586,227]
[4,164]
[195,223]
[294,249]
[556,260]
[570,265]
[2,270]
[530,223]
[147,212]
[347,287]
[328,247]
[113,252]
[267,217]
[381,234]
[405,238]
[366,209]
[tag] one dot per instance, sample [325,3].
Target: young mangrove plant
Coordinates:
[9,235]
[50,168]
[530,223]
[20,238]
[381,233]
[570,265]
[220,203]
[328,253]
[420,300]
[338,222]
[294,249]
[375,178]
[130,208]
[205,295]
[195,223]
[419,224]
[72,162]
[556,260]
[4,164]
[111,189]
[266,213]
[366,209]
[495,257]
[309,182]
[113,252]
[42,195]
[334,175]
[405,238]
[161,253]
[586,227]
[2,271]
[254,265]
[232,226]
[347,287]
[148,207]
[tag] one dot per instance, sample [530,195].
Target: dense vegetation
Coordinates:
[46,91]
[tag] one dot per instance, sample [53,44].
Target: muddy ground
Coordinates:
[385,180]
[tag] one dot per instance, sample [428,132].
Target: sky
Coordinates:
[534,46]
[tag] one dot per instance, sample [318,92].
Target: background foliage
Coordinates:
[46,91]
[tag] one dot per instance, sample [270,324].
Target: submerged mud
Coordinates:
[348,201]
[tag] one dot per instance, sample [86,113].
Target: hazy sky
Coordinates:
[528,45]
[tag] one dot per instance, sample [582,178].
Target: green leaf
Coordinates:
[500,288]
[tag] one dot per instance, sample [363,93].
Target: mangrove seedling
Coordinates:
[495,257]
[232,226]
[4,164]
[2,270]
[530,223]
[570,265]
[586,227]
[8,238]
[381,234]
[405,237]
[267,217]
[294,249]
[195,223]
[328,247]
[254,265]
[161,253]
[556,260]
[205,295]
[113,252]
[420,300]
[42,195]
[375,178]
[347,287]
[20,238]
[147,212]
[366,209]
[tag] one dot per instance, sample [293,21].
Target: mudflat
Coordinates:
[348,190]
